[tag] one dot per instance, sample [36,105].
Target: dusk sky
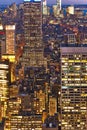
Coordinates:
[49,1]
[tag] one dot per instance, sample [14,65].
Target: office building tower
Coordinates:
[73,87]
[45,7]
[2,40]
[4,84]
[44,2]
[57,8]
[11,58]
[33,50]
[45,10]
[70,10]
[59,4]
[14,9]
[10,39]
[9,52]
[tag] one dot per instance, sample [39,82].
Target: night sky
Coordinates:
[49,1]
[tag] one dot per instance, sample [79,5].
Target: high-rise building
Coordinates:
[44,2]
[33,50]
[73,87]
[2,40]
[70,10]
[4,83]
[10,39]
[11,58]
[9,48]
[45,8]
[58,6]
[33,23]
[55,10]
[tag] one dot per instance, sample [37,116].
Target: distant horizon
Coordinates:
[49,2]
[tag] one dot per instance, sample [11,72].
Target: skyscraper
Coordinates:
[10,39]
[58,6]
[45,7]
[33,50]
[4,89]
[44,2]
[73,87]
[2,40]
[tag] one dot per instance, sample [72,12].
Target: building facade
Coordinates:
[24,122]
[2,40]
[10,39]
[45,7]
[52,106]
[58,6]
[73,88]
[4,87]
[33,50]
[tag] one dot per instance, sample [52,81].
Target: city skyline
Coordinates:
[48,1]
[43,65]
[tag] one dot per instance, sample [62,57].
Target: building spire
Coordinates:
[44,2]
